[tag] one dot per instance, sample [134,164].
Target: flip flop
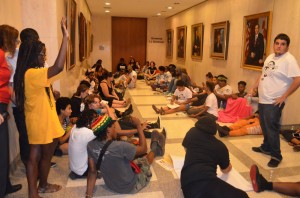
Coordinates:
[49,188]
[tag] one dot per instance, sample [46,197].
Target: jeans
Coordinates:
[172,85]
[23,137]
[269,118]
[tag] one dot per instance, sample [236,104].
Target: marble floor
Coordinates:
[165,183]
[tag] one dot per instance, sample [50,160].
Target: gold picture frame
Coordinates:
[181,42]
[169,47]
[197,41]
[219,40]
[71,25]
[256,40]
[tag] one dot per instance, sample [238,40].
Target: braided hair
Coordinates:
[27,58]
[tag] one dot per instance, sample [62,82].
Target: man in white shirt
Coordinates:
[279,79]
[180,101]
[132,77]
[222,91]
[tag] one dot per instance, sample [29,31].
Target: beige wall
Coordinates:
[285,19]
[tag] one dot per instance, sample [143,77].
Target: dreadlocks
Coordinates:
[28,58]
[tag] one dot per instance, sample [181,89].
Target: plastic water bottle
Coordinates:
[292,128]
[271,175]
[221,105]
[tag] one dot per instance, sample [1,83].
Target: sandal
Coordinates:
[49,188]
[155,109]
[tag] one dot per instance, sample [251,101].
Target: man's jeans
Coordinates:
[269,117]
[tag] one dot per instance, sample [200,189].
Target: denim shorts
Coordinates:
[144,176]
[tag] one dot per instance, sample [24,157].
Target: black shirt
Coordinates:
[203,153]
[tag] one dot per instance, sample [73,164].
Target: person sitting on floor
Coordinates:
[210,107]
[246,126]
[293,138]
[204,152]
[63,110]
[181,98]
[80,135]
[260,184]
[150,72]
[163,79]
[222,91]
[118,157]
[242,93]
[131,78]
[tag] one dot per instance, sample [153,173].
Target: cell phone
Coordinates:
[5,115]
[296,135]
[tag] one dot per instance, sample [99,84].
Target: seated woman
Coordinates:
[63,109]
[247,126]
[77,101]
[241,88]
[108,93]
[181,99]
[90,77]
[151,71]
[210,107]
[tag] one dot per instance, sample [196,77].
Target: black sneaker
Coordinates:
[155,125]
[256,179]
[273,163]
[13,188]
[158,122]
[53,164]
[147,133]
[128,111]
[260,150]
[221,131]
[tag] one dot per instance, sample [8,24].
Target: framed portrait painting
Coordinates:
[256,40]
[71,54]
[181,42]
[169,47]
[219,40]
[82,37]
[197,41]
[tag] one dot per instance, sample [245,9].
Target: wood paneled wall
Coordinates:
[129,38]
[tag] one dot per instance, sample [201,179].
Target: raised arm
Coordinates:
[61,57]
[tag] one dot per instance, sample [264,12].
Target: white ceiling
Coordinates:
[140,8]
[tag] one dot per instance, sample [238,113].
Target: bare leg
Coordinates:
[91,178]
[32,170]
[178,109]
[64,148]
[44,167]
[287,188]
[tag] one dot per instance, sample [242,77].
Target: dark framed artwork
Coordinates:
[219,40]
[197,41]
[71,54]
[82,37]
[169,47]
[256,40]
[92,43]
[181,42]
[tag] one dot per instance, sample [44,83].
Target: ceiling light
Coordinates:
[107,11]
[170,7]
[107,3]
[158,14]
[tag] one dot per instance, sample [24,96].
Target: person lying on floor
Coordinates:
[181,98]
[210,107]
[204,152]
[260,184]
[293,138]
[115,159]
[246,126]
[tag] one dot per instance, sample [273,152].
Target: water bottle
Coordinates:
[221,105]
[292,128]
[249,100]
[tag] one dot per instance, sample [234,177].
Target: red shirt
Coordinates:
[4,79]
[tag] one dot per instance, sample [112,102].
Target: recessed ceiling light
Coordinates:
[170,7]
[107,11]
[158,14]
[107,3]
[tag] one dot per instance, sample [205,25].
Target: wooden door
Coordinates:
[129,38]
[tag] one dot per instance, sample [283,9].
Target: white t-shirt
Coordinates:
[184,95]
[78,156]
[212,103]
[133,79]
[226,90]
[277,76]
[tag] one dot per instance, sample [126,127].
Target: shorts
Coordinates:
[144,176]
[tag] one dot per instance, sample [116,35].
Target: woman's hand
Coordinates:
[64,30]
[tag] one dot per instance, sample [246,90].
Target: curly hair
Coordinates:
[62,103]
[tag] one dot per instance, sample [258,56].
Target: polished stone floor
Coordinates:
[165,183]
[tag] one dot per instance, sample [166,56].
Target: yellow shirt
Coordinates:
[40,114]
